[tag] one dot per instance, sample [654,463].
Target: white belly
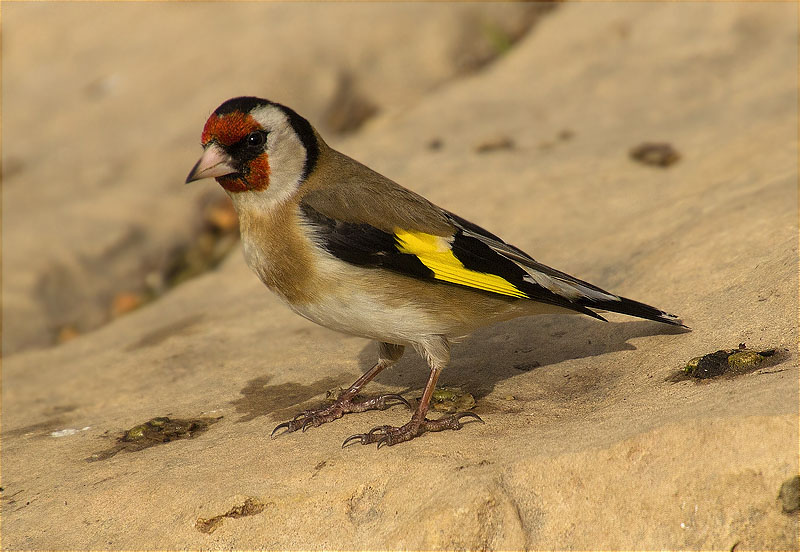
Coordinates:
[362,313]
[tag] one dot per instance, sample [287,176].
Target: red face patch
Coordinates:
[259,173]
[232,183]
[229,128]
[256,180]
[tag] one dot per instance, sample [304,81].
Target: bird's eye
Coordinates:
[256,139]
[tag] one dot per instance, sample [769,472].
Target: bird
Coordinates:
[353,251]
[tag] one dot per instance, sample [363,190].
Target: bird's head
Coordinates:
[255,146]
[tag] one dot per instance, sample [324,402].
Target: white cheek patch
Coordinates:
[287,157]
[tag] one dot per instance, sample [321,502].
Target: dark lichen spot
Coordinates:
[156,431]
[708,366]
[451,400]
[789,495]
[249,507]
[727,362]
[747,360]
[655,154]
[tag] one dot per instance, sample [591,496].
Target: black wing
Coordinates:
[473,264]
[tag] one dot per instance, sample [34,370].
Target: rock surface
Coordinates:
[587,441]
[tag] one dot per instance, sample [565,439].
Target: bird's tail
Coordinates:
[623,305]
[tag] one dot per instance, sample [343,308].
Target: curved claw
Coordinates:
[398,398]
[383,441]
[284,425]
[356,437]
[305,426]
[377,428]
[468,415]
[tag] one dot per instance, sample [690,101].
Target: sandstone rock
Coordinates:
[597,449]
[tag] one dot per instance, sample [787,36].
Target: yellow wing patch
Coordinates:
[435,253]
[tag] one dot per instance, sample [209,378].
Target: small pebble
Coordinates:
[495,144]
[655,154]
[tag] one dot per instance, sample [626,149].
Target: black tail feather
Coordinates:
[635,308]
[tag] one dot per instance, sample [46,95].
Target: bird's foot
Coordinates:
[390,435]
[344,405]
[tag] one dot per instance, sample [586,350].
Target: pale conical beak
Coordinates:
[213,163]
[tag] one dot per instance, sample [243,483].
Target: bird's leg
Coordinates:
[437,353]
[388,354]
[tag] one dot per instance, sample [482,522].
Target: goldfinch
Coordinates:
[351,250]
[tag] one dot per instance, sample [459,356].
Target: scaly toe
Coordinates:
[453,421]
[374,435]
[313,418]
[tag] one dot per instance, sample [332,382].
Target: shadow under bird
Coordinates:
[353,251]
